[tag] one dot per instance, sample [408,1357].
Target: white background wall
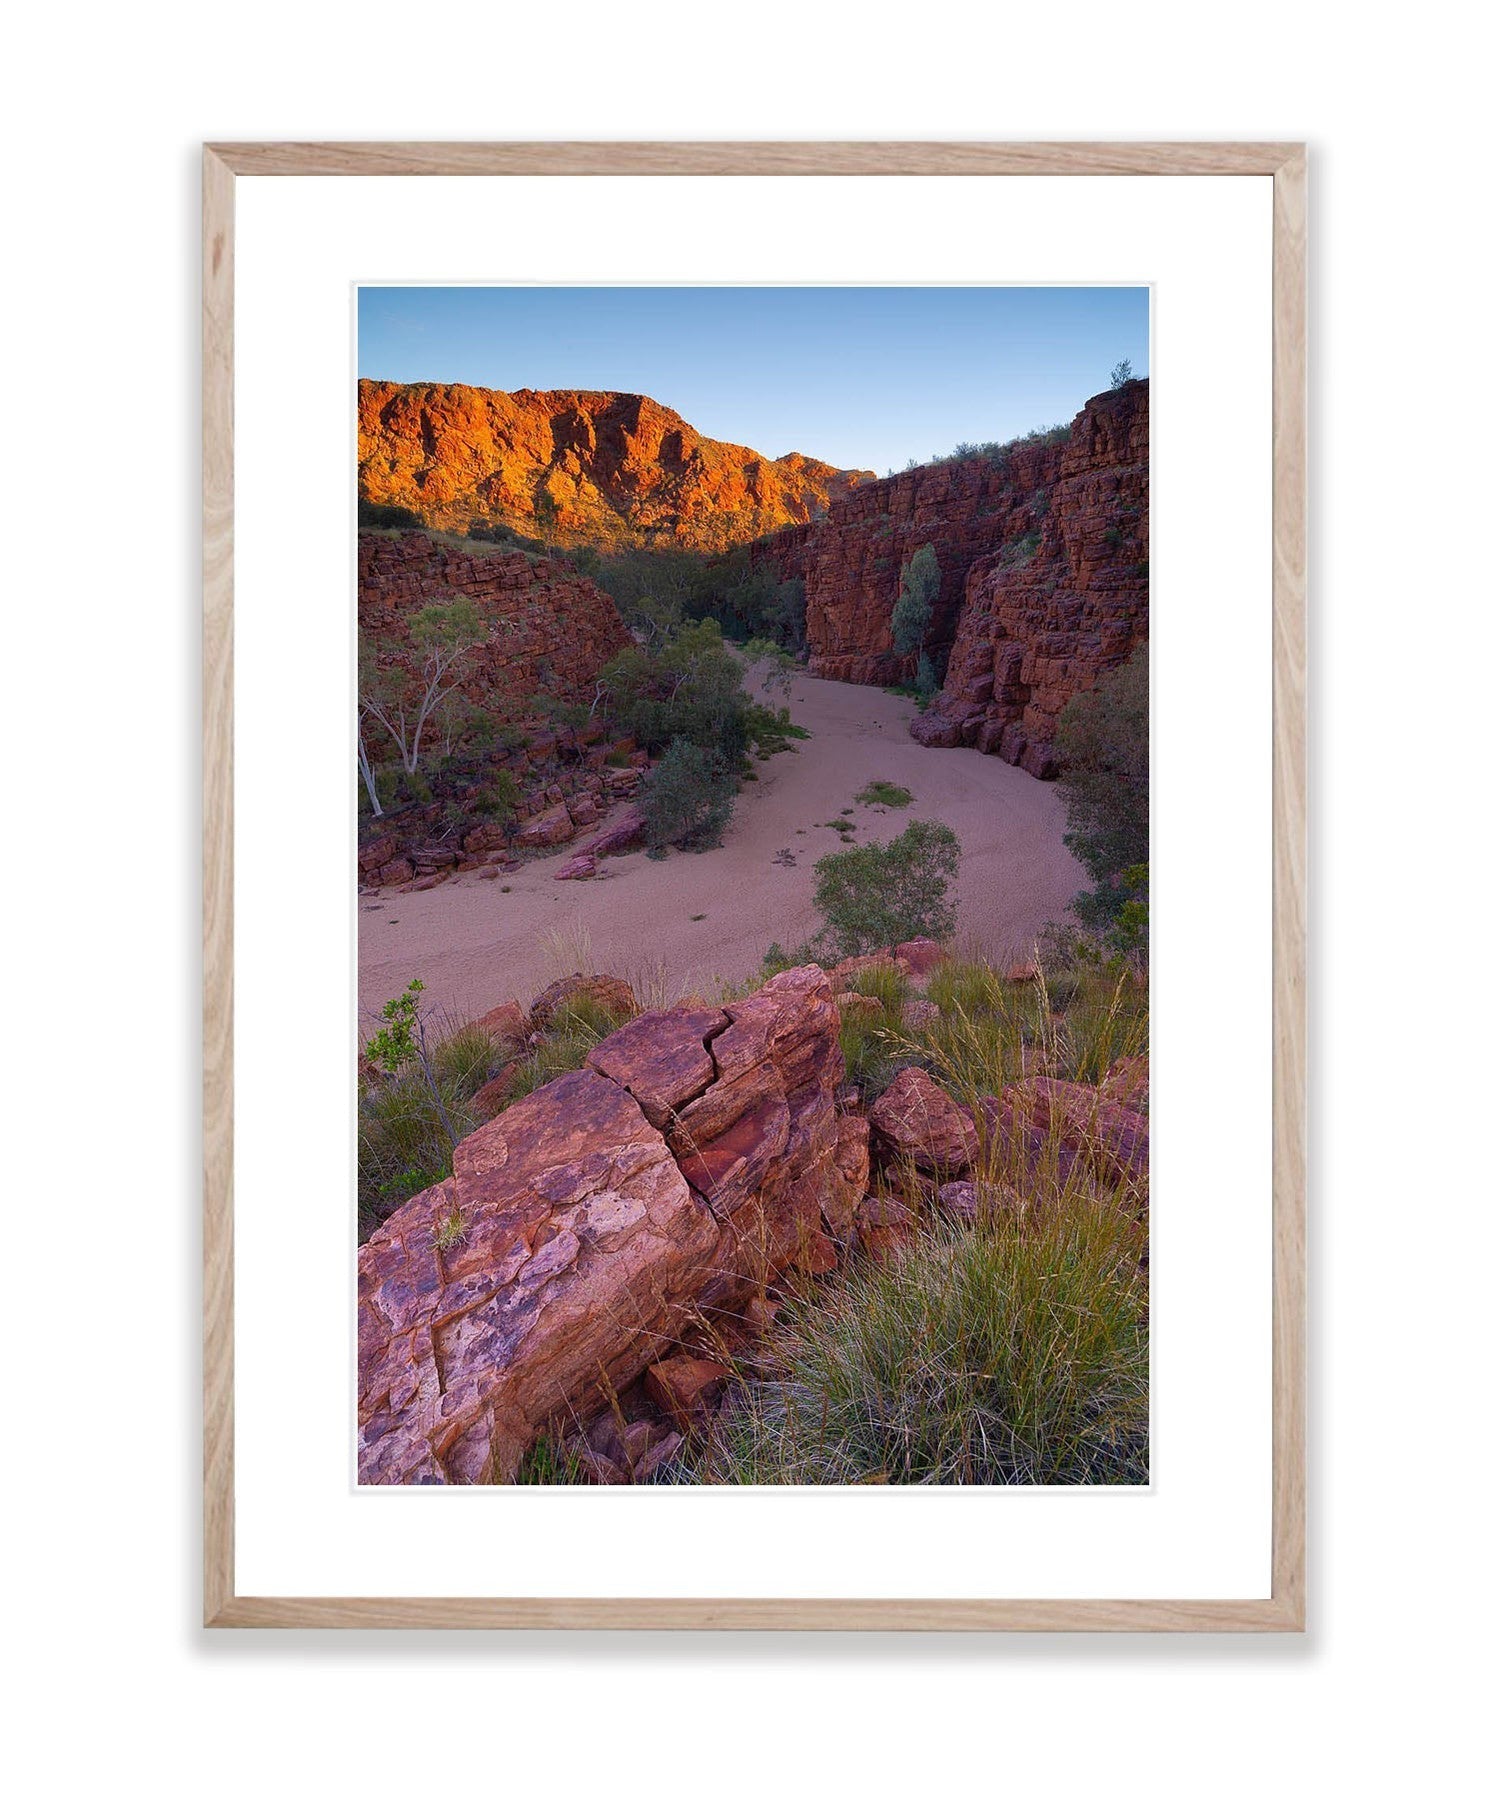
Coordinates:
[116,1682]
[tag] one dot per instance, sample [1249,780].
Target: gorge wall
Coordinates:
[550,630]
[851,561]
[1045,577]
[609,469]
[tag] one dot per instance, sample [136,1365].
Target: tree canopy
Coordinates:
[876,895]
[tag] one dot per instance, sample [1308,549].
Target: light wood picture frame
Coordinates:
[1285,164]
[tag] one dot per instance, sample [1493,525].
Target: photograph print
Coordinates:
[752,783]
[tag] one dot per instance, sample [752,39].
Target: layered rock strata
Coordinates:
[852,561]
[1039,627]
[550,628]
[1043,556]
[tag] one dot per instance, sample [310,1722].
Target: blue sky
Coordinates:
[864,377]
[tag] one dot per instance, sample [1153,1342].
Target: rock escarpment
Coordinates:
[851,562]
[600,468]
[1045,580]
[549,632]
[1037,628]
[697,1154]
[550,628]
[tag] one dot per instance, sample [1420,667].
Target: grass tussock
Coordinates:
[1074,1023]
[1013,1351]
[872,1042]
[568,950]
[884,793]
[549,1463]
[576,1027]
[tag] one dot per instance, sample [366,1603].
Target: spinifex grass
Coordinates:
[994,1030]
[1107,1017]
[884,793]
[870,1040]
[1010,1351]
[576,1026]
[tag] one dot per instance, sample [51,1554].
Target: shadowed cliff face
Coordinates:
[1045,577]
[1035,630]
[549,627]
[601,468]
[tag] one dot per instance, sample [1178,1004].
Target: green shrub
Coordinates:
[1103,742]
[688,798]
[388,518]
[692,688]
[501,795]
[1000,453]
[875,895]
[409,1120]
[770,730]
[778,960]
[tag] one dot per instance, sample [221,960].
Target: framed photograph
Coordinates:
[754,795]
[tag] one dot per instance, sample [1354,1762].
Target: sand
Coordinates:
[679,925]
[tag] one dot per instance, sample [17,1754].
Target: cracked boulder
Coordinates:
[582,1231]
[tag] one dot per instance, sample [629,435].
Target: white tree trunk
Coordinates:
[369,778]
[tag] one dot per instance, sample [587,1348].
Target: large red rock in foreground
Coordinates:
[696,1156]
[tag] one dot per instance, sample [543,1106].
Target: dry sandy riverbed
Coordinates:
[680,925]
